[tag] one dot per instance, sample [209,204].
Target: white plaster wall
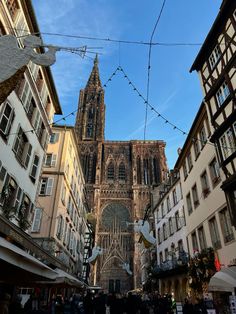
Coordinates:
[7,156]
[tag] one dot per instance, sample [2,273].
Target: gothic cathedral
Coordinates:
[119,176]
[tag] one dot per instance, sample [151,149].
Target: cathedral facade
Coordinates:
[119,176]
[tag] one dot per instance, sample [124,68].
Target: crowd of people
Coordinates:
[152,303]
[101,303]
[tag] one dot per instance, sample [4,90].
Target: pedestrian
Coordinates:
[188,307]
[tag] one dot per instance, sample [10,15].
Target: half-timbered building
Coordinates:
[215,64]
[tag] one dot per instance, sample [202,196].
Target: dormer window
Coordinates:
[215,56]
[222,93]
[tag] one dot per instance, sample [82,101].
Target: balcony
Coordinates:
[173,266]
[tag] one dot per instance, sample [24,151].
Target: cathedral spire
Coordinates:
[94,79]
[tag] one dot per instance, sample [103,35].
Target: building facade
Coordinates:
[207,217]
[60,221]
[118,178]
[215,65]
[171,247]
[25,125]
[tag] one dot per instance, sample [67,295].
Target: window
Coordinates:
[201,237]
[63,195]
[161,257]
[222,93]
[37,220]
[203,137]
[6,119]
[54,138]
[60,227]
[162,210]
[2,29]
[214,171]
[34,168]
[110,171]
[46,186]
[171,226]
[205,184]
[196,148]
[226,226]
[190,163]
[180,246]
[50,160]
[121,173]
[159,235]
[194,242]
[3,172]
[166,254]
[175,201]
[89,130]
[215,56]
[13,8]
[18,199]
[189,204]
[215,238]
[22,148]
[231,140]
[164,231]
[177,221]
[185,170]
[168,203]
[195,196]
[224,148]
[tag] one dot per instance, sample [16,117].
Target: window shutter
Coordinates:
[54,160]
[37,220]
[49,186]
[28,154]
[35,167]
[19,195]
[56,137]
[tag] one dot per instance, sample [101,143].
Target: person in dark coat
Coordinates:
[88,303]
[188,307]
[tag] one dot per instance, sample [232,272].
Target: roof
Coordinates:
[33,25]
[94,79]
[226,7]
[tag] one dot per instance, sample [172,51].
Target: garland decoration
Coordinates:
[201,268]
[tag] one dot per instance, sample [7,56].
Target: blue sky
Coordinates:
[174,92]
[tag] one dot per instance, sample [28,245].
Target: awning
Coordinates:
[17,257]
[223,280]
[67,279]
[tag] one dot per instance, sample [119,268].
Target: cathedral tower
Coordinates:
[90,122]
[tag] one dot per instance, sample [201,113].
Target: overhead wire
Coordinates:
[134,42]
[145,102]
[149,66]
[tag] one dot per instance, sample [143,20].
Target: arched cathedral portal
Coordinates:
[116,238]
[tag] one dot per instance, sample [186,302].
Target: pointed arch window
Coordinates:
[156,170]
[139,178]
[146,176]
[122,172]
[110,171]
[89,130]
